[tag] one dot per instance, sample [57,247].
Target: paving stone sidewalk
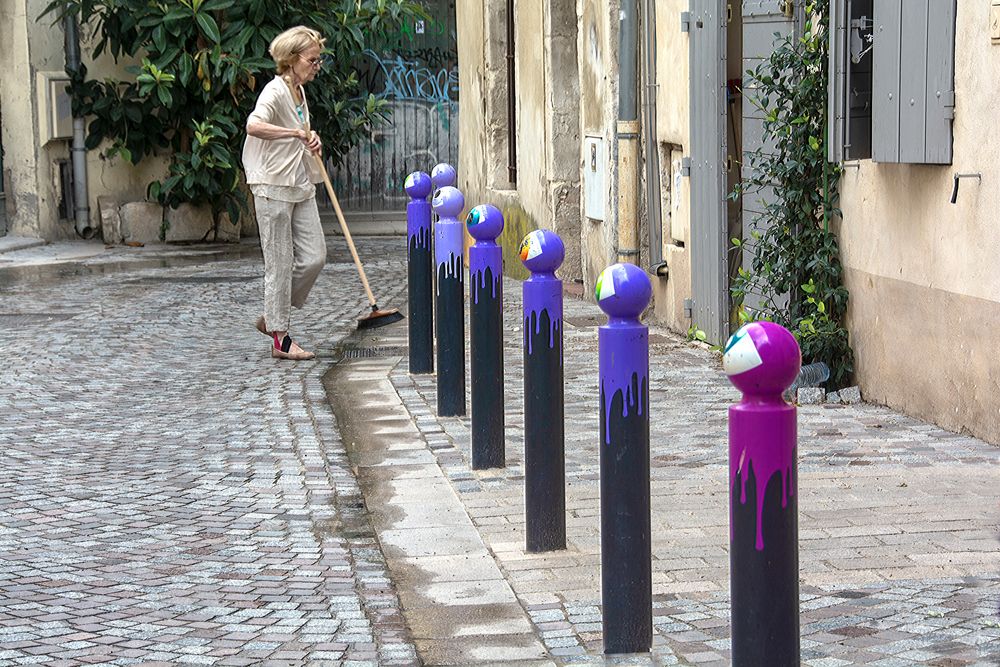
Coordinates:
[172,495]
[898,518]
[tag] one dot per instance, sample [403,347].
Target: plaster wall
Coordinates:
[532,168]
[33,192]
[672,134]
[924,287]
[27,47]
[597,49]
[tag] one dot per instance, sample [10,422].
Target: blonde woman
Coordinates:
[282,175]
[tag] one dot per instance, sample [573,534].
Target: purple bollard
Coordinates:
[542,252]
[449,239]
[443,175]
[623,292]
[420,277]
[762,359]
[485,222]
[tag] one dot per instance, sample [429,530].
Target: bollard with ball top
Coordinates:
[419,262]
[449,239]
[623,292]
[762,359]
[485,222]
[542,252]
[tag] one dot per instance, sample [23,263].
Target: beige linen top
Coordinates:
[279,162]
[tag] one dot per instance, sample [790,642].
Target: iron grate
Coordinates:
[195,279]
[383,351]
[13,320]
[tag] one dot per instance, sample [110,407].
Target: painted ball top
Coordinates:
[485,222]
[762,358]
[623,290]
[418,185]
[443,174]
[542,251]
[448,202]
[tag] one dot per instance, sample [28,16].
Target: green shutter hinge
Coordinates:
[685,21]
[685,166]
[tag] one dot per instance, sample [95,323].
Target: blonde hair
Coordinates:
[289,44]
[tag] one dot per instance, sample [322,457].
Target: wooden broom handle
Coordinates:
[340,214]
[343,228]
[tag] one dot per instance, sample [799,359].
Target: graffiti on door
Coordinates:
[418,79]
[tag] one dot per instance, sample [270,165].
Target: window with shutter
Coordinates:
[850,96]
[892,73]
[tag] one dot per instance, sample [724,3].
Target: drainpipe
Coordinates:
[628,133]
[81,201]
[657,266]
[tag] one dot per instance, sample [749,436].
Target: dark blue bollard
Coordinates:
[486,336]
[420,273]
[623,292]
[542,252]
[762,359]
[449,237]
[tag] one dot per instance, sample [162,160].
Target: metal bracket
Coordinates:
[685,21]
[948,102]
[688,308]
[685,166]
[954,190]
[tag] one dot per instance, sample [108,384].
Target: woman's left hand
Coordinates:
[314,144]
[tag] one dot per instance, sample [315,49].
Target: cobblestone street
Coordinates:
[172,494]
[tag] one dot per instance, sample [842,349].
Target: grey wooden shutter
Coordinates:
[709,275]
[913,81]
[850,80]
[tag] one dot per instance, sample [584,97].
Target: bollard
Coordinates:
[442,175]
[449,240]
[623,292]
[419,262]
[762,359]
[542,252]
[485,223]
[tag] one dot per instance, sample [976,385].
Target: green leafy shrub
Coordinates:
[203,62]
[795,269]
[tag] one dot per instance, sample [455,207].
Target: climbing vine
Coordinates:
[795,276]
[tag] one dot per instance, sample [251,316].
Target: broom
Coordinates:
[376,318]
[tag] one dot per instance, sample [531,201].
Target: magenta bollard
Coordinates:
[623,292]
[762,359]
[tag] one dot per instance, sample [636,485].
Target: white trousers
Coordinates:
[291,238]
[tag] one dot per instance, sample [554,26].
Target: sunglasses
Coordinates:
[315,62]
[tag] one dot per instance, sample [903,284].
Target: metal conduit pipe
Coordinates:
[657,265]
[628,133]
[78,151]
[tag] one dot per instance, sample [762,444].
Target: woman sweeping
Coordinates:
[282,176]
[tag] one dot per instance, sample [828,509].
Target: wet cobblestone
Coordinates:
[898,544]
[172,494]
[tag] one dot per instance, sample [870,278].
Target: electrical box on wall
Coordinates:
[594,181]
[55,110]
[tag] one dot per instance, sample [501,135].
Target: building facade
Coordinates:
[542,137]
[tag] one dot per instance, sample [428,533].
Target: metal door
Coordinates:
[709,275]
[761,20]
[418,77]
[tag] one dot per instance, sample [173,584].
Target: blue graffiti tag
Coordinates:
[409,80]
